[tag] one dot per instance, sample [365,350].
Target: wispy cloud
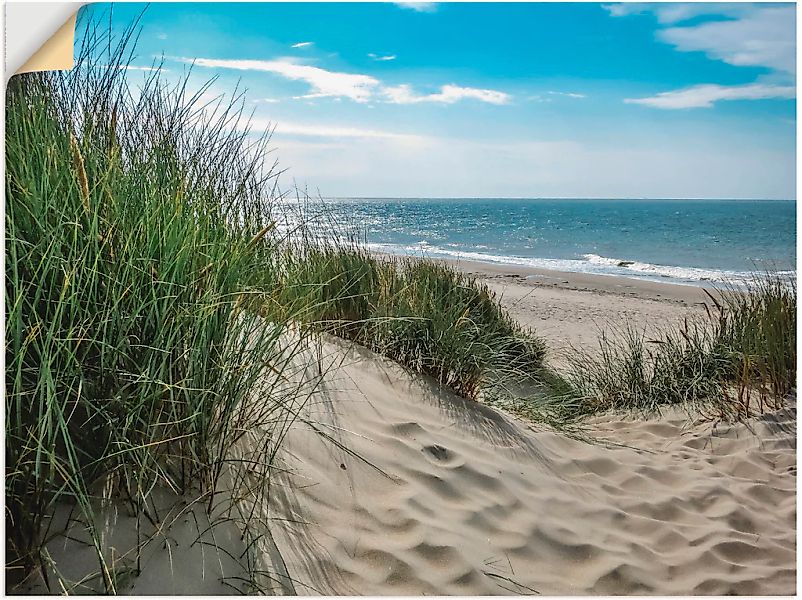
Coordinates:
[379,57]
[266,101]
[332,131]
[357,87]
[705,96]
[549,96]
[324,83]
[740,34]
[567,94]
[670,13]
[302,45]
[751,35]
[625,10]
[135,68]
[763,37]
[418,6]
[449,94]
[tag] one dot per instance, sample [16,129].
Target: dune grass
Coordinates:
[737,361]
[422,314]
[130,226]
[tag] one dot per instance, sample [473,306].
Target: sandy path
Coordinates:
[451,497]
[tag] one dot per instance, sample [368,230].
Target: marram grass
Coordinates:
[738,361]
[149,294]
[425,315]
[132,232]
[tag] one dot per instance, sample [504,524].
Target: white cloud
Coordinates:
[546,98]
[750,35]
[146,69]
[134,68]
[266,101]
[624,10]
[763,37]
[449,94]
[377,57]
[302,45]
[358,88]
[568,94]
[418,6]
[669,12]
[705,96]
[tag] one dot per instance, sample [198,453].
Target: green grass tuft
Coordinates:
[425,315]
[739,360]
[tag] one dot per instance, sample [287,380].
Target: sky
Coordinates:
[499,100]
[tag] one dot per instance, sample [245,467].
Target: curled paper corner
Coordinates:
[39,36]
[56,53]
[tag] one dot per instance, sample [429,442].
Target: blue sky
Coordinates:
[501,100]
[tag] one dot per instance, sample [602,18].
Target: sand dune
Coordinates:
[441,495]
[388,485]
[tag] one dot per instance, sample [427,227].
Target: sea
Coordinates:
[681,241]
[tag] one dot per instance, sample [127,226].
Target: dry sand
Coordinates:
[185,551]
[440,495]
[570,309]
[389,485]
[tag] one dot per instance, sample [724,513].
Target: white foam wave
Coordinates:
[693,274]
[590,263]
[600,260]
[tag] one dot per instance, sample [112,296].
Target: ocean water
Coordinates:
[687,241]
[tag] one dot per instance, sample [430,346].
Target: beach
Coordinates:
[386,483]
[570,310]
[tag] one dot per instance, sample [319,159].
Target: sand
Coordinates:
[440,495]
[184,552]
[570,309]
[451,497]
[386,484]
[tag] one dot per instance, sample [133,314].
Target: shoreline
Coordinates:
[592,282]
[592,265]
[571,310]
[497,506]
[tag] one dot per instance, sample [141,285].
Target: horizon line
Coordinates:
[551,198]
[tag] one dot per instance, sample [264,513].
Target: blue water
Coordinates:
[689,241]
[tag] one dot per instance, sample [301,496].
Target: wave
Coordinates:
[668,271]
[589,263]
